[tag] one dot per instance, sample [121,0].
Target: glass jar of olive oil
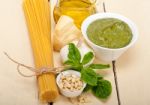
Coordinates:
[77,9]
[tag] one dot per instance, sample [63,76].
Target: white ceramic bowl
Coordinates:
[108,54]
[66,92]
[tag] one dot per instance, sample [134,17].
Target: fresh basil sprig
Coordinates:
[89,76]
[87,58]
[99,66]
[74,54]
[101,88]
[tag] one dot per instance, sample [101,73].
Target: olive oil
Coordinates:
[76,9]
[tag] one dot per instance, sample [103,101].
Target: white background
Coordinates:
[133,67]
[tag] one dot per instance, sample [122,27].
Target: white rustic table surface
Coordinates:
[133,67]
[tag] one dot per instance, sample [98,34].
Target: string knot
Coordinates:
[43,70]
[36,72]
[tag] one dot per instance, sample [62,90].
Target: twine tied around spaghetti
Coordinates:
[42,70]
[37,72]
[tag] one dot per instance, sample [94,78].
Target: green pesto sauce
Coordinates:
[109,33]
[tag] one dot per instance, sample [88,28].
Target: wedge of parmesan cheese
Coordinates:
[65,32]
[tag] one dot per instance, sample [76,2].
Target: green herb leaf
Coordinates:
[99,77]
[74,66]
[77,67]
[69,62]
[89,76]
[87,57]
[87,88]
[103,89]
[99,66]
[74,54]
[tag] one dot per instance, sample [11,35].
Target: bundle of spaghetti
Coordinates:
[37,13]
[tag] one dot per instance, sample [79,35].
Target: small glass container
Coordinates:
[76,9]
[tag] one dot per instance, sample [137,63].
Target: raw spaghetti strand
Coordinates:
[37,13]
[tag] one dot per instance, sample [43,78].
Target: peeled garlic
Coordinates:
[83,48]
[65,32]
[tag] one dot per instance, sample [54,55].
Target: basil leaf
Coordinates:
[73,65]
[87,88]
[99,77]
[69,62]
[89,76]
[103,89]
[77,67]
[74,53]
[99,66]
[87,57]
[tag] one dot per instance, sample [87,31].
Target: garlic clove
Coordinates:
[83,48]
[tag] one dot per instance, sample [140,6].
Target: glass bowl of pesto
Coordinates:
[109,34]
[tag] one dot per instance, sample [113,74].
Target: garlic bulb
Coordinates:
[83,48]
[65,32]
